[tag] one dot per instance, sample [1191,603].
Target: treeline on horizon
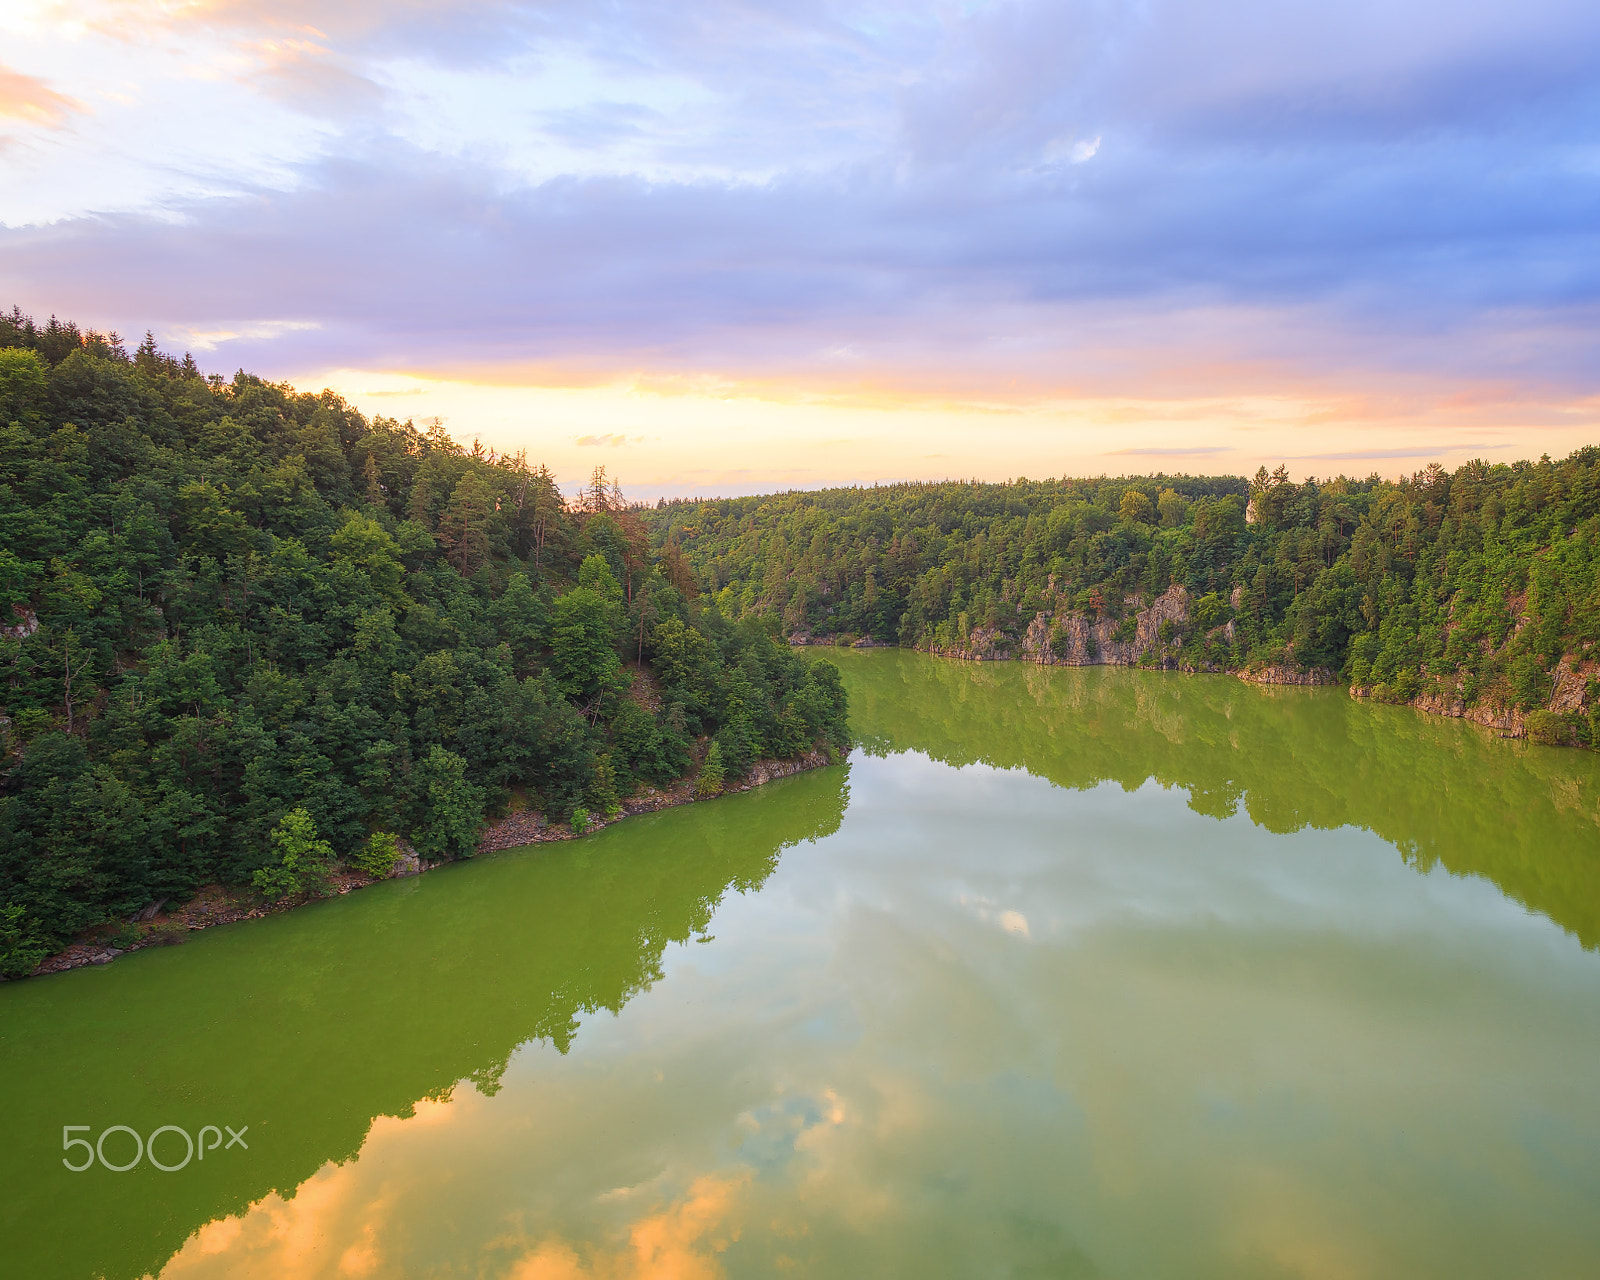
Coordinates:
[1481,584]
[227,608]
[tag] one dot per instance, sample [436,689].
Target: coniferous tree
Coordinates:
[222,602]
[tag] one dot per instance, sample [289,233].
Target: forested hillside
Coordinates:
[241,625]
[1476,591]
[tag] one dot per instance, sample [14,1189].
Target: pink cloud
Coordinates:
[25,97]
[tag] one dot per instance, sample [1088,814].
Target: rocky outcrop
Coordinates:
[1076,640]
[845,641]
[1281,673]
[1571,692]
[1569,696]
[984,644]
[1444,702]
[1073,640]
[27,623]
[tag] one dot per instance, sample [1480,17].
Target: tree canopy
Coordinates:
[1481,585]
[225,602]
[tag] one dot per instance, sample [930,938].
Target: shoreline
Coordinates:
[1439,700]
[217,904]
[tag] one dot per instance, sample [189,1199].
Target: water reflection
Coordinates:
[307,1026]
[1441,791]
[1102,973]
[993,1027]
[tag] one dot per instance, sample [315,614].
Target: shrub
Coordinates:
[736,746]
[580,820]
[601,794]
[452,807]
[712,774]
[1529,682]
[1546,728]
[377,854]
[20,949]
[303,860]
[1210,610]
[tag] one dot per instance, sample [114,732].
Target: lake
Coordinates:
[1065,972]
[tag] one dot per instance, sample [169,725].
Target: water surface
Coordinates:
[1065,973]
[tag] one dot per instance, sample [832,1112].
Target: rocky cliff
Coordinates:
[1570,696]
[1076,640]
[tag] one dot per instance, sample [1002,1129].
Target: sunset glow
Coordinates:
[728,248]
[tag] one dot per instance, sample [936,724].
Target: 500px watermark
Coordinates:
[96,1151]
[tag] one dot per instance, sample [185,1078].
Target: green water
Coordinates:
[1065,973]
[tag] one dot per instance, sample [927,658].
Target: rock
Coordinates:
[27,624]
[1281,673]
[409,863]
[1571,688]
[1569,696]
[1074,641]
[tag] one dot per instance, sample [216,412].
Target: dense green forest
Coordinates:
[1480,586]
[238,622]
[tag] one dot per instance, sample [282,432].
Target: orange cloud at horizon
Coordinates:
[674,435]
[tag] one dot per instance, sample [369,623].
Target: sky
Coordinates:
[729,246]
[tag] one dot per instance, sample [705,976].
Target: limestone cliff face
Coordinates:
[1442,703]
[983,645]
[1074,640]
[1570,695]
[845,641]
[1280,673]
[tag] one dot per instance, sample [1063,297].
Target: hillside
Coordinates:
[245,630]
[1474,593]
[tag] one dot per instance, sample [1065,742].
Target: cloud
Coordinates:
[23,97]
[1014,922]
[440,28]
[1172,451]
[1409,451]
[995,201]
[401,258]
[210,338]
[600,123]
[606,441]
[310,78]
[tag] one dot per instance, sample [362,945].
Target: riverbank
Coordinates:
[1555,724]
[223,904]
[1150,638]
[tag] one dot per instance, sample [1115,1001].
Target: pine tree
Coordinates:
[464,526]
[547,507]
[373,480]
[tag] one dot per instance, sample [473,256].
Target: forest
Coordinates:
[1479,586]
[246,631]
